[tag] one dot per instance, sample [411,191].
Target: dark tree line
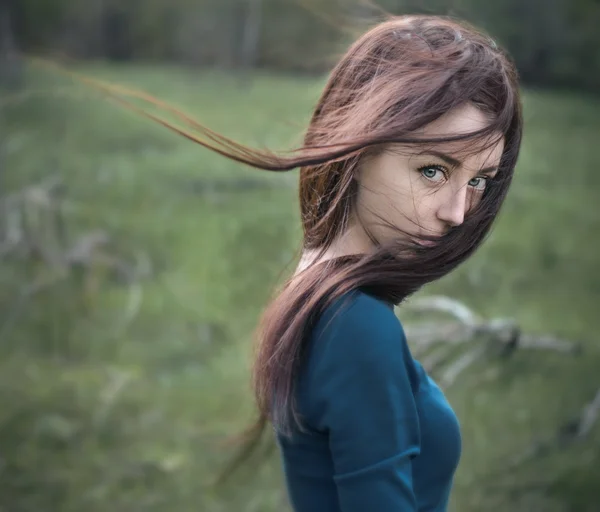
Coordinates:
[555,42]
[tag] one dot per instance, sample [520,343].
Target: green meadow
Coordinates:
[121,398]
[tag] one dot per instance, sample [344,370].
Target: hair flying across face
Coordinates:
[398,77]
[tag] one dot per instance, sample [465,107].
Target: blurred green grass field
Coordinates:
[98,413]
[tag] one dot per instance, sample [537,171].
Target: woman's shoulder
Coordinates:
[358,310]
[359,326]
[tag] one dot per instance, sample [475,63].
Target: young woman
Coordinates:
[407,159]
[405,163]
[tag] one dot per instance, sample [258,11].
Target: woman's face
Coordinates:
[426,190]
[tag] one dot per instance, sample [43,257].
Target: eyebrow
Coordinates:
[450,160]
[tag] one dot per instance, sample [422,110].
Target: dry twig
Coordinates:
[497,336]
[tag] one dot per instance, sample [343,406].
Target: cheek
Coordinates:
[423,209]
[413,197]
[396,194]
[404,202]
[427,202]
[473,200]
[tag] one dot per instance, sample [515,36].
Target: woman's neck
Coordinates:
[353,241]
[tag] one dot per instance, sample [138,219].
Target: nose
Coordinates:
[452,208]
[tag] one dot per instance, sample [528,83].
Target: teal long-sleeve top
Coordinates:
[379,434]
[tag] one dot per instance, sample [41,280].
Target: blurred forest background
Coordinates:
[134,264]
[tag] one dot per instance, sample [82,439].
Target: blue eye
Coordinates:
[478,183]
[433,172]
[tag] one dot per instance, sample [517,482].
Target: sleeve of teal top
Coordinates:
[363,399]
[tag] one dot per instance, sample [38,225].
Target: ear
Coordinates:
[357,175]
[363,164]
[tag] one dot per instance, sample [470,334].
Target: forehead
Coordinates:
[461,120]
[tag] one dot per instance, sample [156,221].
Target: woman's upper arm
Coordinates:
[363,399]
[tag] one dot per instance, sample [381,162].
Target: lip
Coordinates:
[428,243]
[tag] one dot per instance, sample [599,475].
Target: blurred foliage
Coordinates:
[105,409]
[555,42]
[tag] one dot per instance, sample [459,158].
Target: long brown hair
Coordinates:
[399,76]
[402,74]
